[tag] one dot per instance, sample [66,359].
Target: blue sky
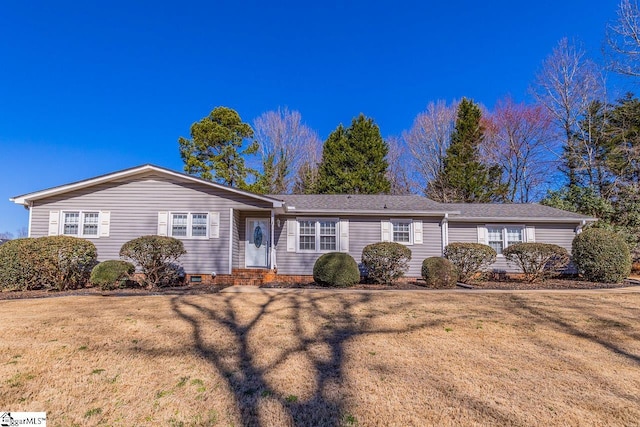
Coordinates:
[88,88]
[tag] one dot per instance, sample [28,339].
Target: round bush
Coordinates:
[439,272]
[601,256]
[469,258]
[336,269]
[385,262]
[156,256]
[109,274]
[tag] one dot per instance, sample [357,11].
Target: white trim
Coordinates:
[505,243]
[81,223]
[317,234]
[30,217]
[25,198]
[394,221]
[444,228]
[247,243]
[189,231]
[272,239]
[231,225]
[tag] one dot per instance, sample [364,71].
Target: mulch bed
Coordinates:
[567,283]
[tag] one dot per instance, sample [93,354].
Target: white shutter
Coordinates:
[531,234]
[163,222]
[417,232]
[482,235]
[344,235]
[105,222]
[54,223]
[291,235]
[214,225]
[385,231]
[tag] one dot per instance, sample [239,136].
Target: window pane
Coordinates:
[199,225]
[307,228]
[71,220]
[328,228]
[307,235]
[401,232]
[90,224]
[308,243]
[327,243]
[179,225]
[514,235]
[495,238]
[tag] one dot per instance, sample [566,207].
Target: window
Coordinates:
[500,237]
[318,235]
[401,231]
[189,225]
[80,224]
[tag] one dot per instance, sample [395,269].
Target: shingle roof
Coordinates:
[342,203]
[358,202]
[510,210]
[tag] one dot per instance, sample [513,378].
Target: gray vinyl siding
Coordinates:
[557,234]
[134,207]
[362,231]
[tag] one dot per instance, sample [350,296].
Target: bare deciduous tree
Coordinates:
[566,85]
[429,138]
[622,47]
[517,138]
[285,144]
[397,173]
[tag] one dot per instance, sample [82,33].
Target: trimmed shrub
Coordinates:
[60,262]
[111,274]
[156,257]
[386,262]
[537,260]
[19,269]
[601,256]
[336,269]
[68,261]
[469,258]
[439,272]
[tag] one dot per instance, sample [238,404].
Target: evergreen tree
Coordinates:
[215,151]
[353,160]
[464,178]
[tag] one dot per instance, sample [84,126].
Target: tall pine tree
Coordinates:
[215,151]
[353,160]
[464,177]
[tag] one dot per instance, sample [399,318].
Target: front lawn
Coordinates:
[325,358]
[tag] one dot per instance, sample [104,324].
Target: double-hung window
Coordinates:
[401,231]
[317,235]
[500,237]
[80,223]
[189,225]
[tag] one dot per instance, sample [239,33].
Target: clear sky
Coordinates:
[88,88]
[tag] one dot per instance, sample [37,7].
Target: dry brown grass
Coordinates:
[325,358]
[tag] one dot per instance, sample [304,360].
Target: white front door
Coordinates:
[256,252]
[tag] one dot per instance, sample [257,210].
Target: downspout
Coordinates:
[579,227]
[231,242]
[272,258]
[444,227]
[29,207]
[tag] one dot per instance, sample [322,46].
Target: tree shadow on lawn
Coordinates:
[551,317]
[319,320]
